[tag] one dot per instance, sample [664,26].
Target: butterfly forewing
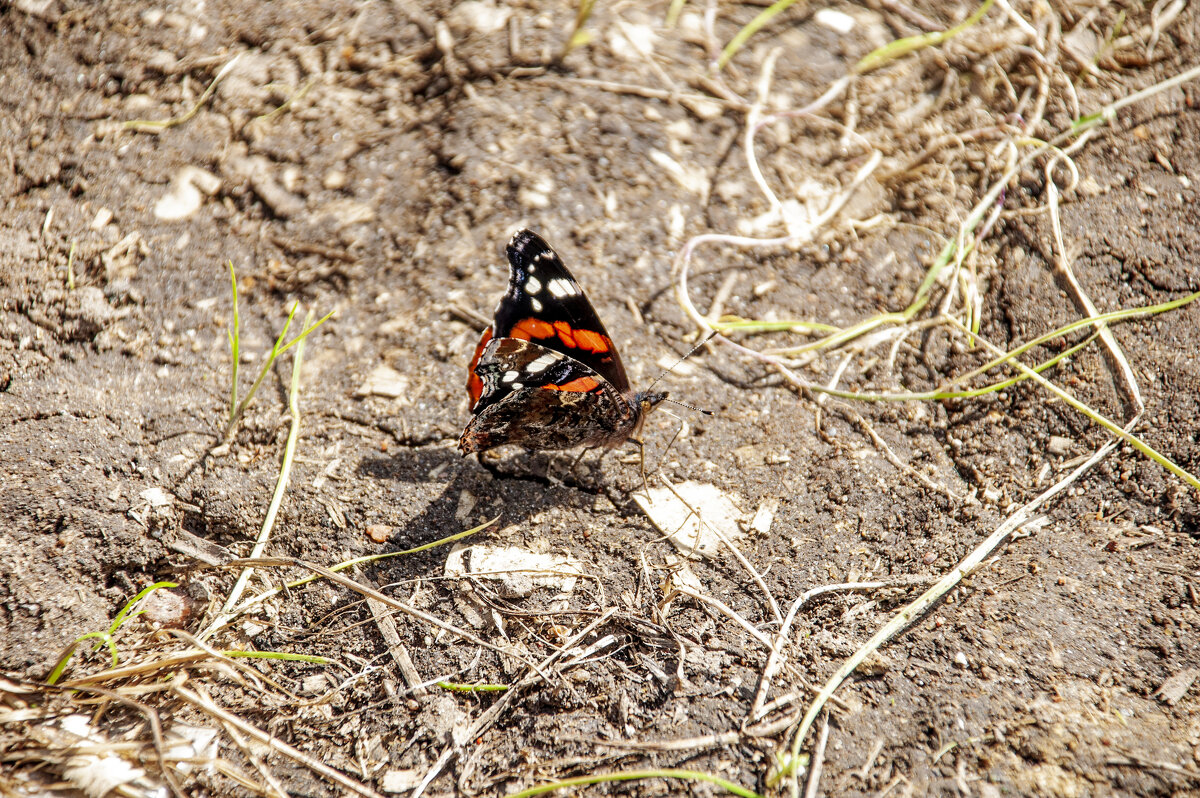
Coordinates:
[545,304]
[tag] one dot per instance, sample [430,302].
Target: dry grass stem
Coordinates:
[224,716]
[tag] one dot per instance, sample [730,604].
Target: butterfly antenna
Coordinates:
[690,352]
[690,407]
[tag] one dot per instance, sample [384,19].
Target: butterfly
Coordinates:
[546,374]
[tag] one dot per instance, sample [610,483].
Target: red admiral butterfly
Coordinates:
[546,375]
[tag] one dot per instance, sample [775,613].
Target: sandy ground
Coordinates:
[371,159]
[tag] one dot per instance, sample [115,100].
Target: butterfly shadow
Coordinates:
[469,494]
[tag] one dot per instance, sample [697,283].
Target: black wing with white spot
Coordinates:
[509,365]
[542,399]
[545,304]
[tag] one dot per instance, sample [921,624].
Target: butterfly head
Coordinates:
[648,400]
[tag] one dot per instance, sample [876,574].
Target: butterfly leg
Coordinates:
[579,459]
[642,463]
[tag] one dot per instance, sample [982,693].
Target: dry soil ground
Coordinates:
[372,158]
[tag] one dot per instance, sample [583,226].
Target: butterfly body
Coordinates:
[546,374]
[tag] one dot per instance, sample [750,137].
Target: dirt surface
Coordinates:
[372,159]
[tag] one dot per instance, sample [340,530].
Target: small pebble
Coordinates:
[1058,445]
[334,179]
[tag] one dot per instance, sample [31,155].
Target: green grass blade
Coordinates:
[637,775]
[158,125]
[910,44]
[105,638]
[752,27]
[350,564]
[673,13]
[373,557]
[1127,437]
[942,394]
[305,332]
[280,655]
[63,659]
[125,612]
[579,36]
[472,688]
[736,324]
[1103,318]
[276,350]
[235,344]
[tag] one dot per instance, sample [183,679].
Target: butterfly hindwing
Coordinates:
[511,364]
[474,383]
[542,399]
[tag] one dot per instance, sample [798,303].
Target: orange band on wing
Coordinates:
[531,328]
[474,384]
[565,334]
[592,341]
[577,385]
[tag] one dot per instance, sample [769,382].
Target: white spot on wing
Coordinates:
[561,287]
[535,304]
[509,376]
[542,363]
[533,285]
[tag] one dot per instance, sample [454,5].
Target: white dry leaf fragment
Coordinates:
[799,220]
[691,178]
[99,775]
[800,215]
[156,497]
[676,223]
[246,80]
[1083,44]
[258,172]
[45,10]
[632,41]
[838,21]
[681,576]
[384,381]
[164,608]
[707,110]
[396,780]
[442,718]
[121,259]
[466,503]
[103,217]
[1059,446]
[186,193]
[693,515]
[314,684]
[764,516]
[481,16]
[536,195]
[347,212]
[514,572]
[192,745]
